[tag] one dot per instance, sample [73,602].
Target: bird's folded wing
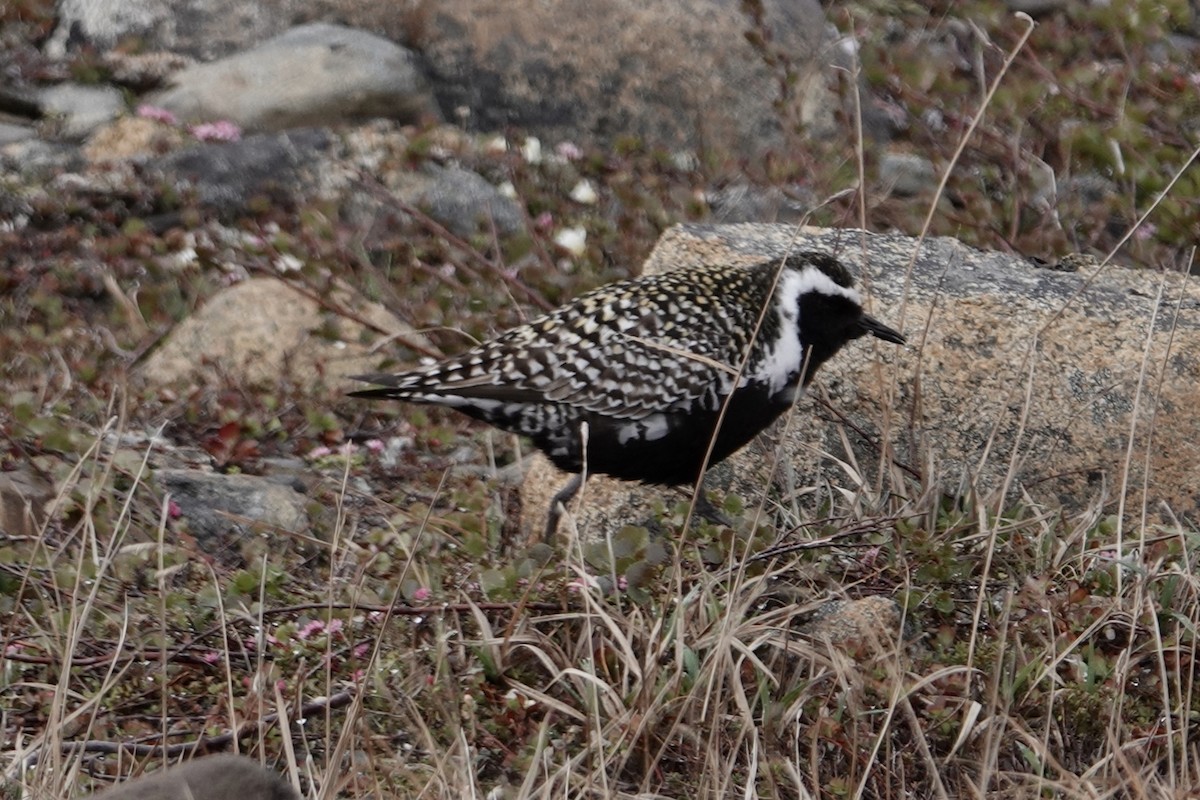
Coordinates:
[638,377]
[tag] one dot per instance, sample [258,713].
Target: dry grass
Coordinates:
[1036,661]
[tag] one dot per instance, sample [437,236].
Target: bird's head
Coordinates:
[820,290]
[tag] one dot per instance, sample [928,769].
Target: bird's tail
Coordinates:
[396,387]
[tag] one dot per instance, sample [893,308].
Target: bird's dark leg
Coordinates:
[559,501]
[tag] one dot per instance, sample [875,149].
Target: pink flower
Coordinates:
[220,131]
[361,650]
[581,584]
[173,510]
[311,628]
[422,594]
[211,657]
[319,452]
[252,643]
[374,445]
[568,150]
[870,556]
[156,113]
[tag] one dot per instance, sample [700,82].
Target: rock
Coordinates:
[199,28]
[986,331]
[10,133]
[210,778]
[262,331]
[745,202]
[131,138]
[1036,8]
[37,159]
[24,497]
[868,624]
[906,174]
[312,75]
[228,175]
[1089,188]
[219,509]
[102,22]
[675,75]
[82,108]
[460,199]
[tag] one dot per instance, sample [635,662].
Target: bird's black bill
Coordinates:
[880,331]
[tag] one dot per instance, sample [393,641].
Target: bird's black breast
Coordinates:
[619,448]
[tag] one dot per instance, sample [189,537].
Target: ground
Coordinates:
[407,643]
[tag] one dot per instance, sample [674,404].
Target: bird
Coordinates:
[631,379]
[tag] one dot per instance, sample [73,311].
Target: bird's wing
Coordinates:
[610,352]
[630,376]
[621,374]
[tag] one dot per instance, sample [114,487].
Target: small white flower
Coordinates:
[573,240]
[287,263]
[181,259]
[584,192]
[531,150]
[508,190]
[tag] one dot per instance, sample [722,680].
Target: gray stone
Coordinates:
[1017,381]
[315,74]
[10,133]
[211,778]
[219,509]
[82,108]
[203,29]
[40,159]
[906,174]
[227,175]
[24,496]
[1036,8]
[1088,189]
[104,22]
[461,200]
[745,202]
